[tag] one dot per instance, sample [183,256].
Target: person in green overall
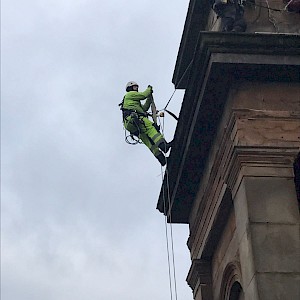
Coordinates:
[137,123]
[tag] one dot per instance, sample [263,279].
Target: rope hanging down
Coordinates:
[171,229]
[168,201]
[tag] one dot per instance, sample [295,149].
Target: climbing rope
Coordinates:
[165,108]
[167,200]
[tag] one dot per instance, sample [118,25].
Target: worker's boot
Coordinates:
[161,158]
[164,146]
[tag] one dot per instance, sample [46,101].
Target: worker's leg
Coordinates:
[153,139]
[149,143]
[153,148]
[156,138]
[131,124]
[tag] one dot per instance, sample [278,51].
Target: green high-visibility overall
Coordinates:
[136,121]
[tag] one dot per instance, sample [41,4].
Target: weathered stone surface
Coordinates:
[276,247]
[241,211]
[278,286]
[272,200]
[267,96]
[226,253]
[270,16]
[246,260]
[251,292]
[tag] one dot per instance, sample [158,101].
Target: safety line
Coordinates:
[171,231]
[170,99]
[166,219]
[178,84]
[167,241]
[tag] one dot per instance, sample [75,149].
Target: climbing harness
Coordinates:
[133,137]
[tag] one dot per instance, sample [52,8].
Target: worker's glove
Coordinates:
[150,86]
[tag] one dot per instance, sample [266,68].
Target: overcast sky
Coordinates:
[78,204]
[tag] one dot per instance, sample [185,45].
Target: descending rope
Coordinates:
[168,214]
[167,241]
[166,227]
[177,85]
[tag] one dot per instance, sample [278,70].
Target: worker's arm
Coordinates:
[147,104]
[141,95]
[149,100]
[147,94]
[132,100]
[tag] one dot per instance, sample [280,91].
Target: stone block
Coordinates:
[268,96]
[276,247]
[272,200]
[278,286]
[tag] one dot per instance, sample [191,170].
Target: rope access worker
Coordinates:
[135,118]
[231,13]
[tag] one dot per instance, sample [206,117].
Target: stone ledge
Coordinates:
[206,96]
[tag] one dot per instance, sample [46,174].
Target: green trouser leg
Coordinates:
[147,133]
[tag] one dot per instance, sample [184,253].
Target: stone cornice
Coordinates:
[214,69]
[199,273]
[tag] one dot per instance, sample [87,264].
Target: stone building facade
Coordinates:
[232,173]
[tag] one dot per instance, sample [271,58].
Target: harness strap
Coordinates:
[128,112]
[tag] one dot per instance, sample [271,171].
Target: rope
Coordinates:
[167,240]
[178,84]
[170,99]
[166,228]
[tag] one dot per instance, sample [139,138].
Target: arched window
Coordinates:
[231,288]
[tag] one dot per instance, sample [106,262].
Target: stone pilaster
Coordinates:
[246,209]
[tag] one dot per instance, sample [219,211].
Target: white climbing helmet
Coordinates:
[130,84]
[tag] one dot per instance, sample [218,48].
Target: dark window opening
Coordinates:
[236,292]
